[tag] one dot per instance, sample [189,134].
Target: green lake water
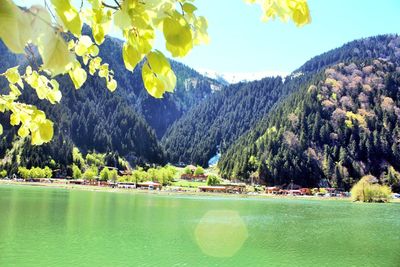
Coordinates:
[57,227]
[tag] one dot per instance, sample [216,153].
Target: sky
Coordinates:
[242,43]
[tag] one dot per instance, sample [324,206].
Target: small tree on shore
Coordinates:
[368,190]
[199,171]
[113,175]
[76,172]
[48,173]
[3,173]
[213,180]
[105,174]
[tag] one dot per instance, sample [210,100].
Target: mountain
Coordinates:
[337,127]
[125,123]
[191,88]
[221,119]
[90,118]
[240,77]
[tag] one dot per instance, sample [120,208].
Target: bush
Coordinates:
[24,173]
[199,171]
[3,174]
[91,173]
[367,190]
[213,180]
[187,170]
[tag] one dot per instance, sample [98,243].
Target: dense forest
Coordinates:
[125,123]
[223,118]
[333,120]
[191,89]
[340,127]
[220,120]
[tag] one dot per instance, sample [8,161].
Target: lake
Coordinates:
[59,227]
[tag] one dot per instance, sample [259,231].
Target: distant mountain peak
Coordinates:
[237,77]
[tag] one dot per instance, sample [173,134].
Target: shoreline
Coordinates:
[171,193]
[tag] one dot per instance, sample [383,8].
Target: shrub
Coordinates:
[213,180]
[91,173]
[199,171]
[367,190]
[3,174]
[187,170]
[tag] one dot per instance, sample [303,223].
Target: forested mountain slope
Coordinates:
[90,118]
[221,119]
[342,125]
[124,123]
[191,89]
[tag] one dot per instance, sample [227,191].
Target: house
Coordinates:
[126,185]
[194,178]
[225,188]
[210,189]
[235,188]
[149,185]
[274,190]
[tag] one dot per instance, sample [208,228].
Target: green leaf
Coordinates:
[1,129]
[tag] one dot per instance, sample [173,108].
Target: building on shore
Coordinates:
[194,178]
[224,188]
[149,185]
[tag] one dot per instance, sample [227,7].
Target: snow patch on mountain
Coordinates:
[236,77]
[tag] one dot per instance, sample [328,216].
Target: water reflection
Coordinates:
[221,233]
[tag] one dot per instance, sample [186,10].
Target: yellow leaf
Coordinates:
[46,130]
[122,19]
[83,45]
[15,30]
[154,86]
[54,96]
[131,56]
[56,56]
[157,75]
[101,24]
[178,36]
[68,15]
[112,85]
[1,129]
[78,75]
[23,131]
[41,23]
[14,119]
[189,8]
[13,76]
